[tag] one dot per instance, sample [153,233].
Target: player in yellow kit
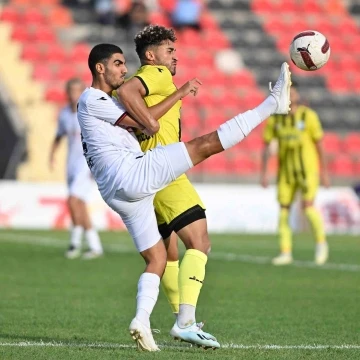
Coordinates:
[178,207]
[300,154]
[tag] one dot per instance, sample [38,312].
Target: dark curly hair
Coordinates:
[152,35]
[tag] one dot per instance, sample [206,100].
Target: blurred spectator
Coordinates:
[228,61]
[186,14]
[135,19]
[105,12]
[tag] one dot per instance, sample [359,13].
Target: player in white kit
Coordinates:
[79,178]
[128,178]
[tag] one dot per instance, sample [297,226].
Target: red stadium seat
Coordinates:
[341,165]
[253,143]
[351,143]
[20,33]
[33,16]
[43,34]
[356,167]
[310,6]
[208,22]
[190,37]
[332,143]
[66,72]
[60,16]
[10,14]
[31,53]
[56,94]
[167,5]
[159,18]
[55,53]
[43,73]
[338,83]
[215,40]
[261,6]
[242,79]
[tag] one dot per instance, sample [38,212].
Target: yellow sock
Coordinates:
[191,276]
[285,232]
[170,284]
[317,223]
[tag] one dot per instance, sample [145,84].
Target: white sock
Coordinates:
[236,129]
[93,240]
[148,291]
[76,235]
[186,315]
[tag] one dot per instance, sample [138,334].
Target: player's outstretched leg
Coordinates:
[236,129]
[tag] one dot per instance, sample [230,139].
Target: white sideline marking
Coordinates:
[251,259]
[166,346]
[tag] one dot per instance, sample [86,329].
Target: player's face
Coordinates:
[294,96]
[115,71]
[74,92]
[165,55]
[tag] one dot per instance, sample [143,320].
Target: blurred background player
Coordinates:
[179,209]
[301,163]
[79,178]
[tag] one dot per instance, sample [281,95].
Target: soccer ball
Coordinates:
[310,50]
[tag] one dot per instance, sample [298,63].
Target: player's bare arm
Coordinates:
[324,175]
[265,158]
[54,147]
[130,95]
[132,92]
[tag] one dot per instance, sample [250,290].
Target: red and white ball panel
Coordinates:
[310,50]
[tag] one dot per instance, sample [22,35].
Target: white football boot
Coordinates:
[321,253]
[281,90]
[90,255]
[73,252]
[194,335]
[142,336]
[282,259]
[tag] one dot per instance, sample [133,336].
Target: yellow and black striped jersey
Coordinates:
[297,135]
[158,83]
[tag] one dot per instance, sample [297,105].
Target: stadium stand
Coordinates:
[48,41]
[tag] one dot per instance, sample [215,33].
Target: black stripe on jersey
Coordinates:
[292,116]
[144,85]
[179,129]
[285,164]
[301,154]
[293,160]
[121,118]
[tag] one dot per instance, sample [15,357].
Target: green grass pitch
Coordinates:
[53,308]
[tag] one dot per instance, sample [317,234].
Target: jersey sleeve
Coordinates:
[155,79]
[269,130]
[314,126]
[61,129]
[106,108]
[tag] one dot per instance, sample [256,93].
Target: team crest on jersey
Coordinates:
[300,124]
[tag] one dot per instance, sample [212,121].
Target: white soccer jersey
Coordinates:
[109,149]
[68,126]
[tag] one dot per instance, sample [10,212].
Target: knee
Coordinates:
[201,243]
[155,260]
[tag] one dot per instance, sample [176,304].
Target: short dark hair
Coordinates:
[71,82]
[100,54]
[152,35]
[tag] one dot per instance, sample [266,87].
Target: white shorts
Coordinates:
[149,174]
[80,184]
